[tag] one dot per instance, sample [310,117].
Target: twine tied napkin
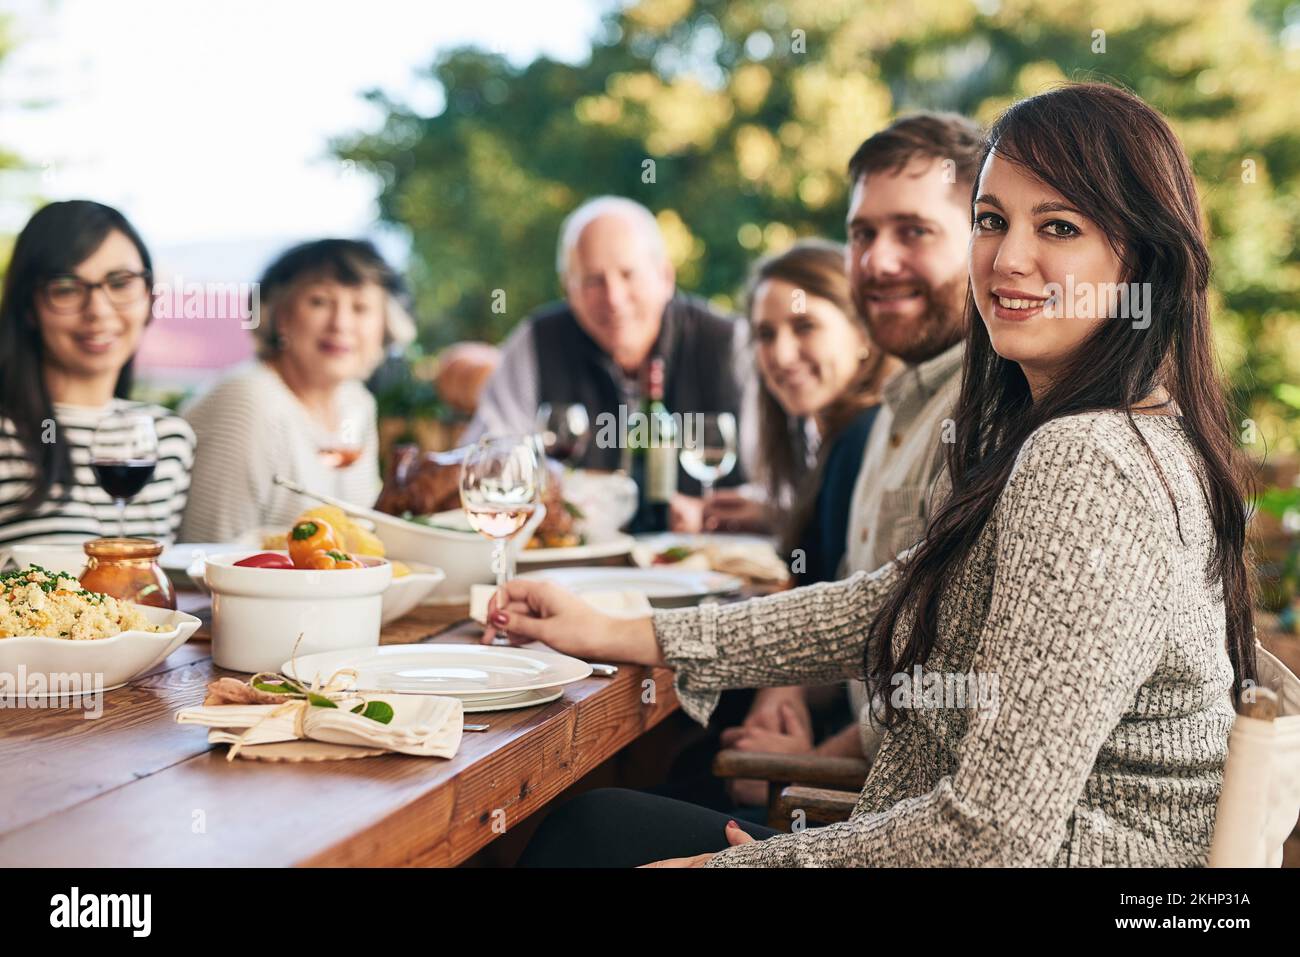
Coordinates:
[422,725]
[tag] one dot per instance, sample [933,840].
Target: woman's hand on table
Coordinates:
[555,616]
[735,836]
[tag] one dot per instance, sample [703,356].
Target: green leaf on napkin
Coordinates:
[286,687]
[379,711]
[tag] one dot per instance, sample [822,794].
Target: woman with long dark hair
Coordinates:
[1060,655]
[76,300]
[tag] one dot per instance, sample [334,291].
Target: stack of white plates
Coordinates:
[484,677]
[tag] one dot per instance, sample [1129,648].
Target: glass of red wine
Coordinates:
[564,430]
[123,455]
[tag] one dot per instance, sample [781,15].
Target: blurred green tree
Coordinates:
[8,160]
[749,109]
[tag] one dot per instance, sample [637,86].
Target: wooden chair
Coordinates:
[1258,806]
[823,788]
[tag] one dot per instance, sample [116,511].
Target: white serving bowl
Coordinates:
[407,591]
[110,662]
[607,501]
[258,613]
[68,559]
[463,554]
[402,594]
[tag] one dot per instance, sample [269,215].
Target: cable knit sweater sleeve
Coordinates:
[1077,620]
[813,635]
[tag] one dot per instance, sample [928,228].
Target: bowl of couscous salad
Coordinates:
[58,638]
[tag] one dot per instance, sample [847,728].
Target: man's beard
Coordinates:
[940,326]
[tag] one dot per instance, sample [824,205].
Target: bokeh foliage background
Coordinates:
[8,159]
[750,109]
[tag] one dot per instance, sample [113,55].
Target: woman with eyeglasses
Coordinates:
[76,300]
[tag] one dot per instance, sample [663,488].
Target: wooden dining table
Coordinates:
[133,788]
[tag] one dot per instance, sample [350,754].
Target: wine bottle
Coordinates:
[658,472]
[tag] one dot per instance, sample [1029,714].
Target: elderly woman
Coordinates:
[328,311]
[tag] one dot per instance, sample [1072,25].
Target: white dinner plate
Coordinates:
[664,586]
[447,669]
[474,704]
[619,545]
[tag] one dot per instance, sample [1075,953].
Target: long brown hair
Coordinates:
[815,266]
[1117,161]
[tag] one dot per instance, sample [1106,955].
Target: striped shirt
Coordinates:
[83,510]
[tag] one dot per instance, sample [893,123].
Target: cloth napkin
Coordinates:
[621,604]
[422,725]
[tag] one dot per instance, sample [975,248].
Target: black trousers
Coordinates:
[615,827]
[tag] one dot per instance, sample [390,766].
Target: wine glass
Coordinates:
[123,456]
[343,449]
[708,447]
[563,427]
[499,492]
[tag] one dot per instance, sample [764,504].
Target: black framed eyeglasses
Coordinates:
[70,294]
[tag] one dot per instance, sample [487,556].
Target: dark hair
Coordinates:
[57,239]
[352,262]
[815,266]
[1118,162]
[941,136]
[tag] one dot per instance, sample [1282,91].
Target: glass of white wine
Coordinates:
[499,481]
[708,447]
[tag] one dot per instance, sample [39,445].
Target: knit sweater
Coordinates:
[1092,620]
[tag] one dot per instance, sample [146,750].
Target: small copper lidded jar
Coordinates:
[127,569]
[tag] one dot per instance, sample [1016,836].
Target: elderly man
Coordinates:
[621,308]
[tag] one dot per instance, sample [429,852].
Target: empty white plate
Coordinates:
[664,587]
[445,669]
[474,704]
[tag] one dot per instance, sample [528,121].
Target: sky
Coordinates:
[208,123]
